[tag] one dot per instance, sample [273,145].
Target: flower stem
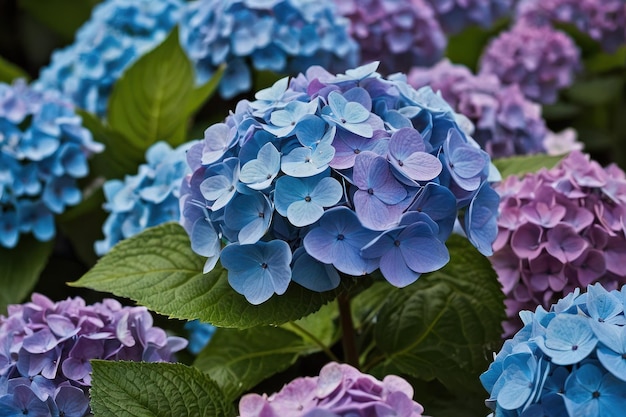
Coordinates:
[348,336]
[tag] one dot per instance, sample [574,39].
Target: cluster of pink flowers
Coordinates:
[560,229]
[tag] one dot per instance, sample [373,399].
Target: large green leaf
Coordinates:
[10,71]
[239,359]
[520,165]
[158,269]
[61,16]
[149,101]
[596,91]
[132,389]
[443,325]
[20,268]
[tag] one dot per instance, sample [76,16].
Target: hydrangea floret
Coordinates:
[398,33]
[567,361]
[339,391]
[45,349]
[282,36]
[146,199]
[559,229]
[456,15]
[325,174]
[602,20]
[44,149]
[200,334]
[539,59]
[116,35]
[506,123]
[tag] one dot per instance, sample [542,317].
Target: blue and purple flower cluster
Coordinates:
[117,34]
[567,361]
[45,349]
[282,36]
[339,391]
[560,229]
[43,151]
[456,15]
[398,33]
[326,174]
[146,199]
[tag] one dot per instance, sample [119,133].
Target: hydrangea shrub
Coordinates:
[282,36]
[567,361]
[325,174]
[456,15]
[116,35]
[398,33]
[44,149]
[506,123]
[45,349]
[339,390]
[145,199]
[539,59]
[558,230]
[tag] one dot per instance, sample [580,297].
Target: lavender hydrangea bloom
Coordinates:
[506,123]
[339,390]
[45,348]
[559,229]
[146,199]
[604,21]
[43,151]
[398,33]
[283,36]
[567,361]
[116,35]
[456,15]
[368,172]
[541,60]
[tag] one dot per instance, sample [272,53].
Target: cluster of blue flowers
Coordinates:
[326,174]
[118,33]
[146,199]
[456,15]
[568,361]
[283,36]
[43,151]
[45,349]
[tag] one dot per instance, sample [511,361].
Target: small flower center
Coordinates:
[357,151]
[575,347]
[370,191]
[340,237]
[400,163]
[596,394]
[264,265]
[396,242]
[343,120]
[307,199]
[261,215]
[269,176]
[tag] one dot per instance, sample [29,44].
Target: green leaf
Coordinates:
[61,16]
[443,326]
[201,94]
[148,102]
[603,61]
[560,110]
[520,165]
[158,269]
[318,329]
[596,91]
[239,359]
[10,71]
[20,268]
[139,389]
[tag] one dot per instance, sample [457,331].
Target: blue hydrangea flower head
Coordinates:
[146,199]
[283,36]
[456,15]
[45,349]
[398,33]
[567,361]
[539,59]
[200,335]
[328,174]
[44,150]
[116,35]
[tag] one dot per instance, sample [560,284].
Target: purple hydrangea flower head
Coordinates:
[539,59]
[44,150]
[283,36]
[45,348]
[604,21]
[505,122]
[398,33]
[328,174]
[146,199]
[116,35]
[456,15]
[559,229]
[566,361]
[339,390]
